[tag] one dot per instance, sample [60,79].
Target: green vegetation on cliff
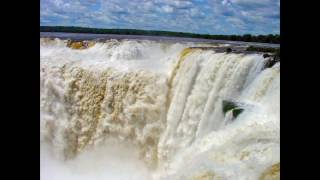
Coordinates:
[231,106]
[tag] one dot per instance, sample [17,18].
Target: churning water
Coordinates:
[139,109]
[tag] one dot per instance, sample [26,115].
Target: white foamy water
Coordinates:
[152,110]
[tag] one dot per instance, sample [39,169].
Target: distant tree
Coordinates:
[246,37]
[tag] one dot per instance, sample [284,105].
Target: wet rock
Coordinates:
[228,50]
[227,106]
[271,61]
[271,173]
[80,44]
[266,55]
[231,106]
[276,56]
[236,112]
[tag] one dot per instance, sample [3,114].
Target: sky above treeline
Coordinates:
[195,16]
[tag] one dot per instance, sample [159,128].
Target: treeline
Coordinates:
[246,37]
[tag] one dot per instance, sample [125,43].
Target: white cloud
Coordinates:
[167,9]
[202,16]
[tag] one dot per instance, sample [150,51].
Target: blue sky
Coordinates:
[196,16]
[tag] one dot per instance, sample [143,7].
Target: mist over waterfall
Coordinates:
[140,109]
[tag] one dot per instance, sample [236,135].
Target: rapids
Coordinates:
[139,109]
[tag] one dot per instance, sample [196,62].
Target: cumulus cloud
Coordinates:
[198,16]
[167,9]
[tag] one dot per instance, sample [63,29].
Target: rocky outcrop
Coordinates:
[271,173]
[270,62]
[266,55]
[231,106]
[272,54]
[80,44]
[228,50]
[272,59]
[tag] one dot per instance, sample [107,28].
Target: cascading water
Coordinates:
[154,110]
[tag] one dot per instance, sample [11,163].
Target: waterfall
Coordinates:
[159,107]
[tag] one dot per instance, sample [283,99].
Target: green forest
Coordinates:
[270,38]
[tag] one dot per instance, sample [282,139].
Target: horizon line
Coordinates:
[162,31]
